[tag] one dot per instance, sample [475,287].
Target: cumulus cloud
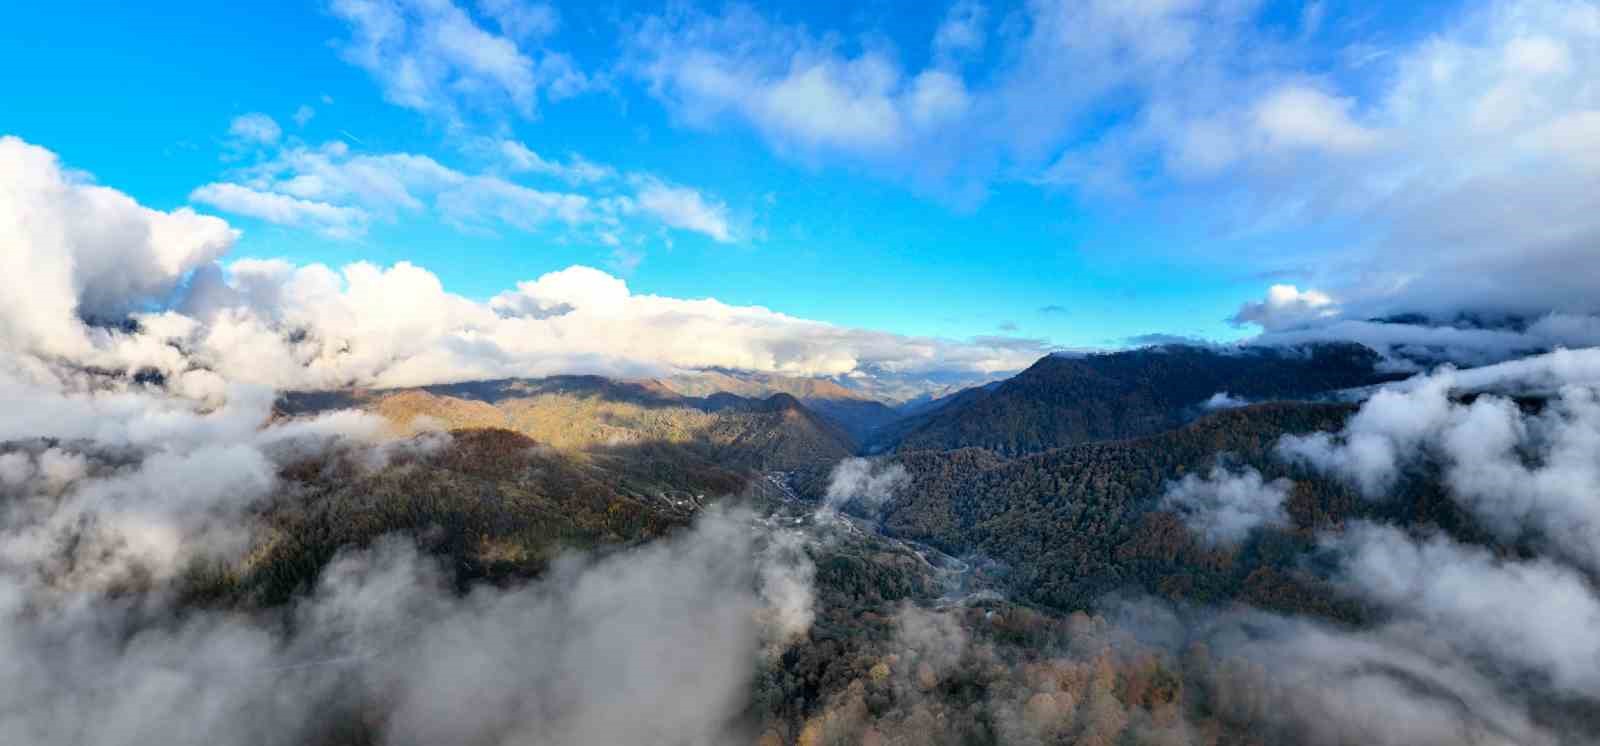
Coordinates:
[86,251]
[1224,506]
[1466,642]
[1383,438]
[330,329]
[1286,307]
[73,249]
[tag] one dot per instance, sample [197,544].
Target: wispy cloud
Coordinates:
[435,58]
[338,192]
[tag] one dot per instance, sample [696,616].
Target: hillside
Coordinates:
[858,414]
[593,414]
[1077,523]
[1062,400]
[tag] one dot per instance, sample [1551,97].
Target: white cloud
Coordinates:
[937,97]
[1476,200]
[1300,117]
[962,30]
[684,208]
[1410,347]
[846,103]
[71,248]
[1537,55]
[1287,307]
[337,191]
[801,92]
[1223,400]
[487,199]
[1464,637]
[1574,136]
[255,129]
[330,220]
[347,331]
[382,183]
[1533,616]
[303,115]
[870,482]
[670,630]
[1448,172]
[432,56]
[1224,507]
[519,158]
[522,20]
[76,249]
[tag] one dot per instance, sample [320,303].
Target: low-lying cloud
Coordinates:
[112,498]
[1225,506]
[869,482]
[1472,639]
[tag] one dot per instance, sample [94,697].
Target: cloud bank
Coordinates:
[115,498]
[81,253]
[1473,639]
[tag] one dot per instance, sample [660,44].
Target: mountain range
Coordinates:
[1019,518]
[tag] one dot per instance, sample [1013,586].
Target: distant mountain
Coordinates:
[590,413]
[1062,400]
[857,413]
[898,388]
[751,384]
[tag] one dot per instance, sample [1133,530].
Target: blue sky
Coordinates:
[1082,195]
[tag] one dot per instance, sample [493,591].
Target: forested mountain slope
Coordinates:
[1067,399]
[1076,523]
